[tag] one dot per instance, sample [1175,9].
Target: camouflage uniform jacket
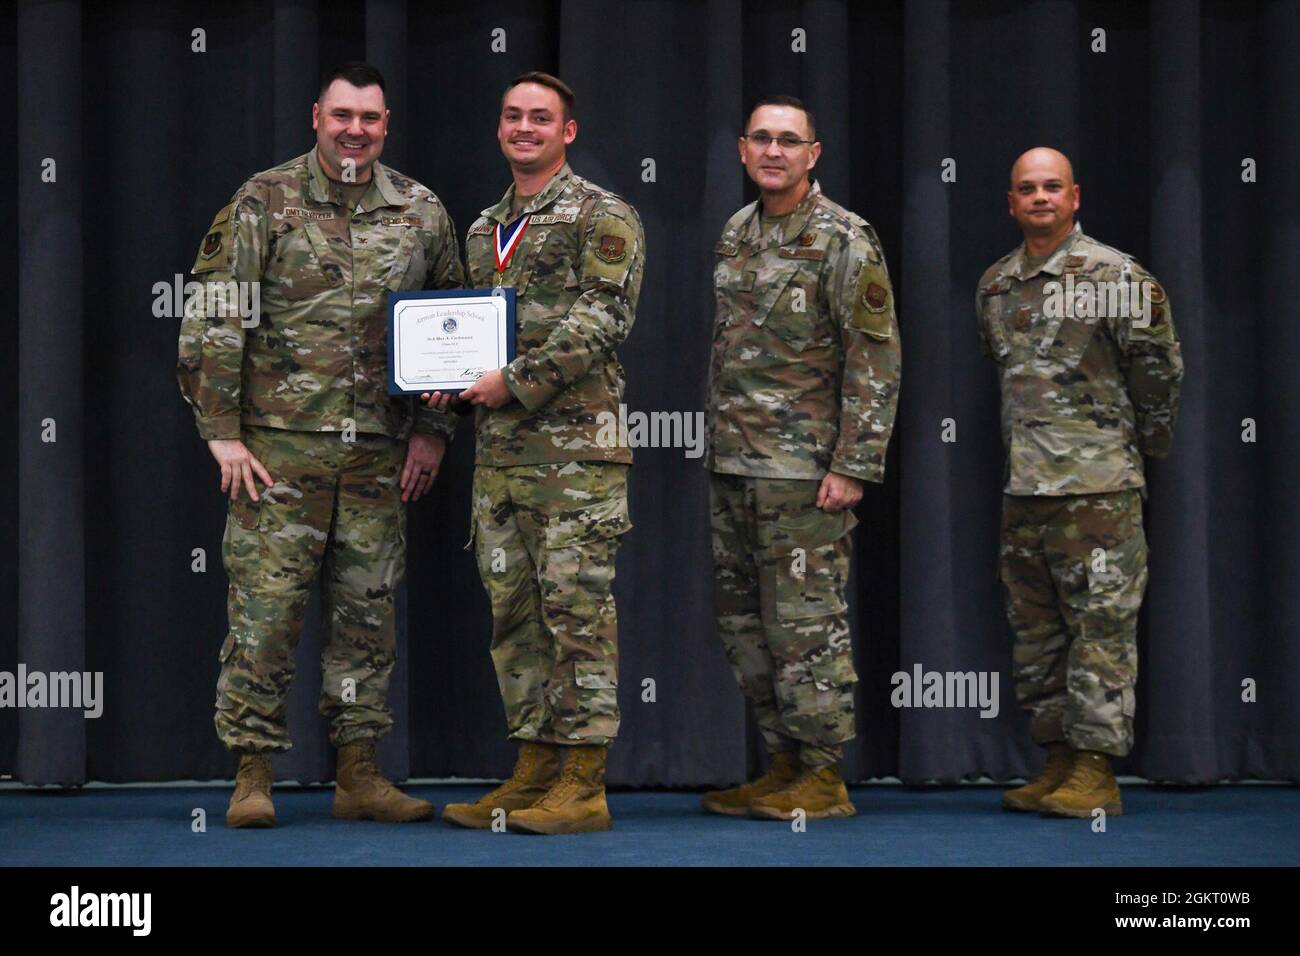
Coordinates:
[577,276]
[318,354]
[806,354]
[1090,386]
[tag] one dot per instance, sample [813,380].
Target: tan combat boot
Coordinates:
[818,793]
[250,805]
[735,802]
[362,793]
[1091,784]
[536,770]
[1060,758]
[576,803]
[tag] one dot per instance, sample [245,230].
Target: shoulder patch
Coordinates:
[610,250]
[872,304]
[214,250]
[481,228]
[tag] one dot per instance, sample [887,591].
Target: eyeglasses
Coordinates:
[787,142]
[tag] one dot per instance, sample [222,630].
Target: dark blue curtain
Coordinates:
[150,138]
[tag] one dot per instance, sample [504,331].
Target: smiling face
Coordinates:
[351,123]
[778,169]
[532,130]
[1043,197]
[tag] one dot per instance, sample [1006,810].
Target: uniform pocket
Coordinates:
[999,340]
[409,266]
[805,558]
[833,671]
[794,316]
[1070,342]
[1123,570]
[597,522]
[245,512]
[771,286]
[227,648]
[595,675]
[299,268]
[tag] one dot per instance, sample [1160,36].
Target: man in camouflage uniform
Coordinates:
[1089,362]
[803,390]
[549,498]
[297,396]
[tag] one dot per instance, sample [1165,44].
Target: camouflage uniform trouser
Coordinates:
[781,566]
[336,508]
[545,538]
[1073,571]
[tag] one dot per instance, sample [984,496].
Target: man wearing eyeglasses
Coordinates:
[803,390]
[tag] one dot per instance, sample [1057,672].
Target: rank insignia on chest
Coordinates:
[1073,262]
[807,239]
[507,241]
[211,244]
[612,248]
[1023,319]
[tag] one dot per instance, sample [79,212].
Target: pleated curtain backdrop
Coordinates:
[149,138]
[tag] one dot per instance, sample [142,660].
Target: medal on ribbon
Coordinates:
[507,241]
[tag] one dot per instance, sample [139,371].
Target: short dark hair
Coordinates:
[782,100]
[357,72]
[550,82]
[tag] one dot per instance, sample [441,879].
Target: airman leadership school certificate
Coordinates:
[442,341]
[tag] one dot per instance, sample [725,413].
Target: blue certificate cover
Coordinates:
[443,340]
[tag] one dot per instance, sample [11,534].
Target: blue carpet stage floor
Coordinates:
[1250,825]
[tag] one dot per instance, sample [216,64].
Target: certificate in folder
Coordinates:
[443,340]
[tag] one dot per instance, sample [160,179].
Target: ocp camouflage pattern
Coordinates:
[1073,570]
[806,358]
[318,357]
[274,548]
[1084,397]
[545,538]
[781,566]
[577,277]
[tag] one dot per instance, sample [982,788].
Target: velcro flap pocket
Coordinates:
[833,671]
[804,553]
[407,269]
[769,285]
[245,512]
[300,266]
[600,520]
[1121,568]
[595,675]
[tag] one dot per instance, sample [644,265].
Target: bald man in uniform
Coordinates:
[1090,368]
